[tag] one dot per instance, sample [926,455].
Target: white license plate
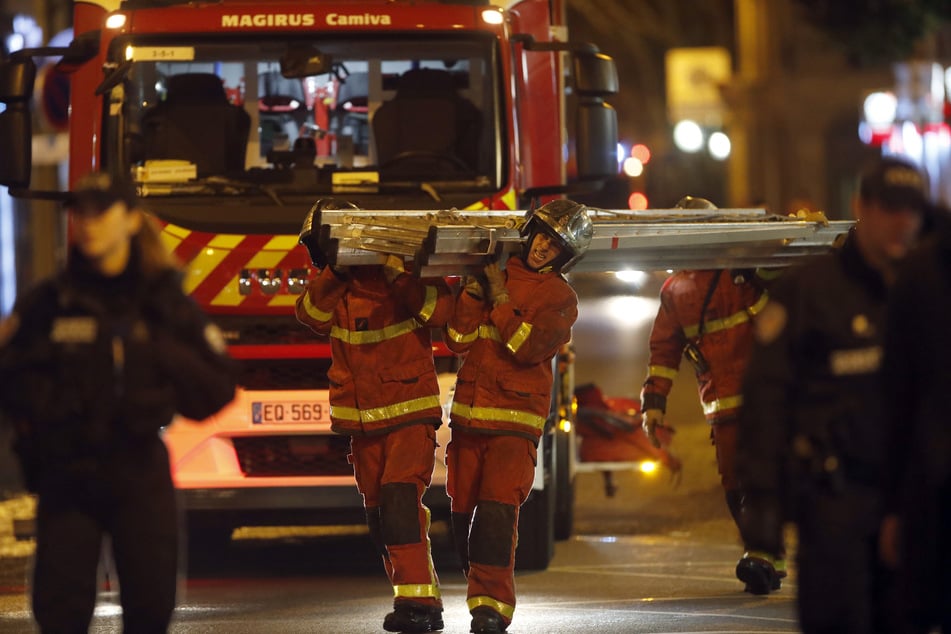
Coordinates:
[265,412]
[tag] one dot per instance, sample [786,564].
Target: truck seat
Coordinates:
[428,115]
[195,122]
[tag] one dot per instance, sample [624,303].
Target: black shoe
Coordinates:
[485,620]
[413,617]
[759,575]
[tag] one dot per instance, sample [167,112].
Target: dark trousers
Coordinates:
[843,587]
[132,500]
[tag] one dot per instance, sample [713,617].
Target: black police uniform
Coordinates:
[96,367]
[917,376]
[811,438]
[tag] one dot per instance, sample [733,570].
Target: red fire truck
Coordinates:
[234,117]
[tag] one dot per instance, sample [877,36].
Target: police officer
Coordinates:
[811,438]
[384,394]
[93,363]
[510,326]
[916,533]
[707,317]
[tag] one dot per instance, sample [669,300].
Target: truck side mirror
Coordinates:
[596,128]
[17,76]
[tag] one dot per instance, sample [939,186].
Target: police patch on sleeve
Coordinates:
[769,324]
[215,339]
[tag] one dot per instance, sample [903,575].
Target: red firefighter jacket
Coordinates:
[504,384]
[382,373]
[724,342]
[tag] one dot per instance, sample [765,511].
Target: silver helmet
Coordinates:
[566,221]
[693,202]
[309,234]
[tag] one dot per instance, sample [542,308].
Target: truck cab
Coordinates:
[234,118]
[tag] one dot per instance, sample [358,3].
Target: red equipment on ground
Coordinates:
[610,433]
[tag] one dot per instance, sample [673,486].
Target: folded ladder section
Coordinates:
[452,242]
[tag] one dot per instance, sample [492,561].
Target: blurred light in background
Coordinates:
[8,281]
[688,136]
[637,200]
[641,152]
[636,278]
[631,310]
[719,146]
[633,167]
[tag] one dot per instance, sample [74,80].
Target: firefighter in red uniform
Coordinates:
[510,332]
[707,317]
[385,396]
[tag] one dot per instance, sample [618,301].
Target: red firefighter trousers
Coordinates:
[489,477]
[392,471]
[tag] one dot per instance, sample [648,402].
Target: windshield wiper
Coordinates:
[207,187]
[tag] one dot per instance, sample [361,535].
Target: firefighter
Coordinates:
[384,395]
[94,361]
[510,327]
[812,435]
[706,315]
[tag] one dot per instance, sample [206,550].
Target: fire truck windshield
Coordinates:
[218,117]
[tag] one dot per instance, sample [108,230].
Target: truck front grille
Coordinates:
[312,455]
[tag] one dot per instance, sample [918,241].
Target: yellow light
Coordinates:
[648,466]
[565,425]
[115,21]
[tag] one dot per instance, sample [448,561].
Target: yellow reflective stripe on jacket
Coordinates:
[429,305]
[313,311]
[662,371]
[721,404]
[504,609]
[499,413]
[484,331]
[520,336]
[386,412]
[358,337]
[728,322]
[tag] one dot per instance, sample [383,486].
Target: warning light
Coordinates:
[637,200]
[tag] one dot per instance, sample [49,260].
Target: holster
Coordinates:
[695,357]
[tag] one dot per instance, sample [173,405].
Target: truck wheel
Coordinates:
[207,538]
[536,520]
[564,487]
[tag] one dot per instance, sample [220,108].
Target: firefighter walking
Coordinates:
[510,329]
[384,394]
[812,439]
[707,317]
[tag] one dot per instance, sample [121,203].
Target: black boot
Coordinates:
[413,617]
[485,620]
[758,573]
